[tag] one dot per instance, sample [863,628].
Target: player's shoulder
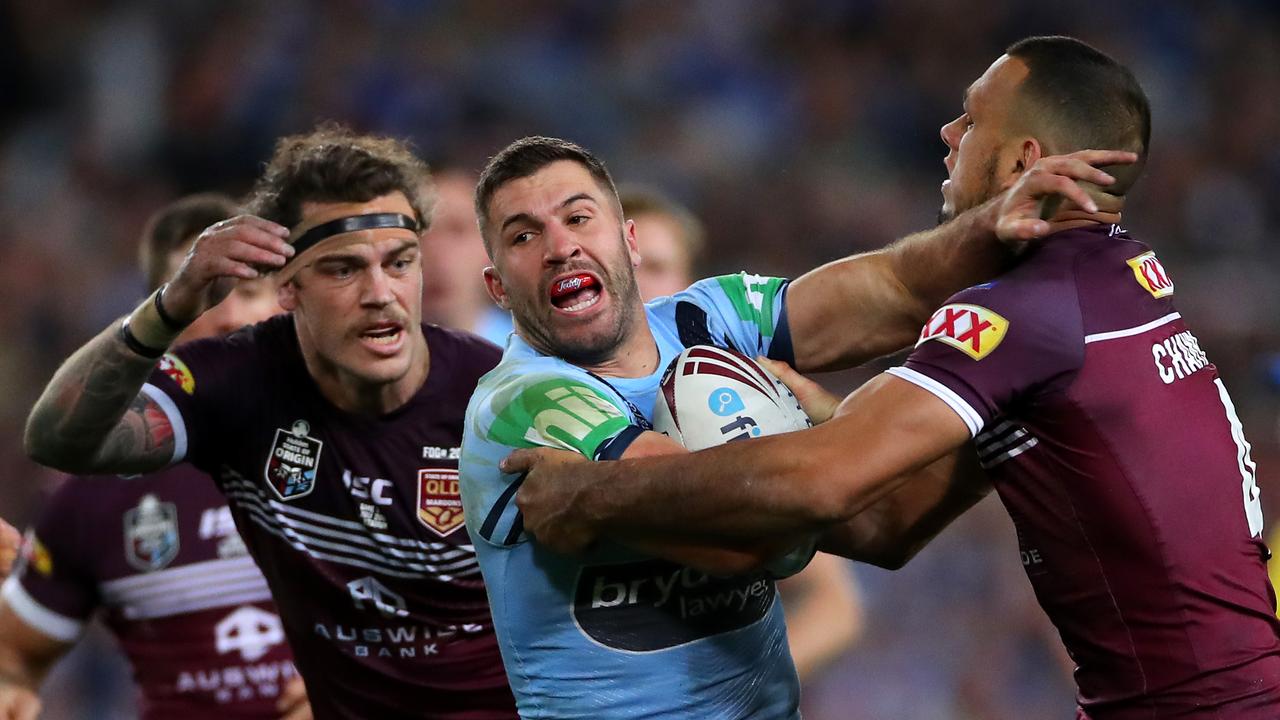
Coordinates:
[266,342]
[87,496]
[466,346]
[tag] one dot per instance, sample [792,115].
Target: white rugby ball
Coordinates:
[711,396]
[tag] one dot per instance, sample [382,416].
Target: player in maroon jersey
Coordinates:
[333,431]
[1104,428]
[159,555]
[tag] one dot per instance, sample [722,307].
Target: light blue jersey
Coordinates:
[621,634]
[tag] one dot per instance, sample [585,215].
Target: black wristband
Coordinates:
[165,317]
[133,343]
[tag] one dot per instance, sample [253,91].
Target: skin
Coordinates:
[666,267]
[453,292]
[91,417]
[26,653]
[802,481]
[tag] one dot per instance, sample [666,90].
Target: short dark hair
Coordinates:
[643,200]
[527,156]
[1086,100]
[174,226]
[335,164]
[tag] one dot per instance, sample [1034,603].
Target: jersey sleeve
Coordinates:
[995,345]
[195,385]
[744,311]
[552,409]
[53,589]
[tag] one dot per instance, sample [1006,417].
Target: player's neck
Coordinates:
[358,396]
[1072,219]
[637,356]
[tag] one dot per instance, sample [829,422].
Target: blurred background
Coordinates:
[799,131]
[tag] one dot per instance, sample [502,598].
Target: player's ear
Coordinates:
[287,295]
[1029,154]
[493,285]
[633,245]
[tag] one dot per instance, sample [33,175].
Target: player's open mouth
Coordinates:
[383,337]
[575,293]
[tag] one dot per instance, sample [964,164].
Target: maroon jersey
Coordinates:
[1117,451]
[355,521]
[160,558]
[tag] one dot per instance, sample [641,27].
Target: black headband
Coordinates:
[374,221]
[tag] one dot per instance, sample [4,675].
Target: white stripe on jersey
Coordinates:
[235,479]
[971,418]
[55,625]
[987,464]
[315,540]
[188,588]
[1129,332]
[1004,435]
[179,425]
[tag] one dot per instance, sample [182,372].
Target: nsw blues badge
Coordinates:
[293,461]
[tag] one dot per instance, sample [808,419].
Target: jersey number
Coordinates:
[1248,470]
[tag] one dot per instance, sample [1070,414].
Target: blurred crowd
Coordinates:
[799,131]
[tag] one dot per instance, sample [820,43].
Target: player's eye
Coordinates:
[578,219]
[521,238]
[968,122]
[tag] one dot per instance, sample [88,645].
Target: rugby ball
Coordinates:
[711,396]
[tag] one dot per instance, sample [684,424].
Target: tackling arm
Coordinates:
[783,485]
[718,558]
[850,311]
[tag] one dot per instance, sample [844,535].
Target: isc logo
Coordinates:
[1151,275]
[972,329]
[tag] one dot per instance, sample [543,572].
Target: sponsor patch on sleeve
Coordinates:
[557,412]
[36,555]
[971,329]
[177,371]
[1151,275]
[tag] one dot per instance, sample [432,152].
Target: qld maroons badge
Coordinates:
[293,461]
[439,503]
[151,534]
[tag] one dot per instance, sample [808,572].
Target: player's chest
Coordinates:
[400,479]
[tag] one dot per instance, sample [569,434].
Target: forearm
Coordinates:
[781,485]
[824,613]
[853,310]
[893,530]
[90,417]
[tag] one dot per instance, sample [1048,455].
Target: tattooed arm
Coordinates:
[91,417]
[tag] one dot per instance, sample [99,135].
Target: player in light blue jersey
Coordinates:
[661,629]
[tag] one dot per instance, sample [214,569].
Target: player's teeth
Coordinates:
[584,304]
[385,339]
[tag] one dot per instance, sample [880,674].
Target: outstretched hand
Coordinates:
[548,495]
[1022,210]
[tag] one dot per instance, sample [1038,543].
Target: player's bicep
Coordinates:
[145,439]
[848,312]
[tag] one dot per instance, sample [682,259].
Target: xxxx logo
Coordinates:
[1151,275]
[972,329]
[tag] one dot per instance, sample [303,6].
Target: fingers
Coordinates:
[520,461]
[293,704]
[817,403]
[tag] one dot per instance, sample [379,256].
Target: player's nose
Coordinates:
[559,244]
